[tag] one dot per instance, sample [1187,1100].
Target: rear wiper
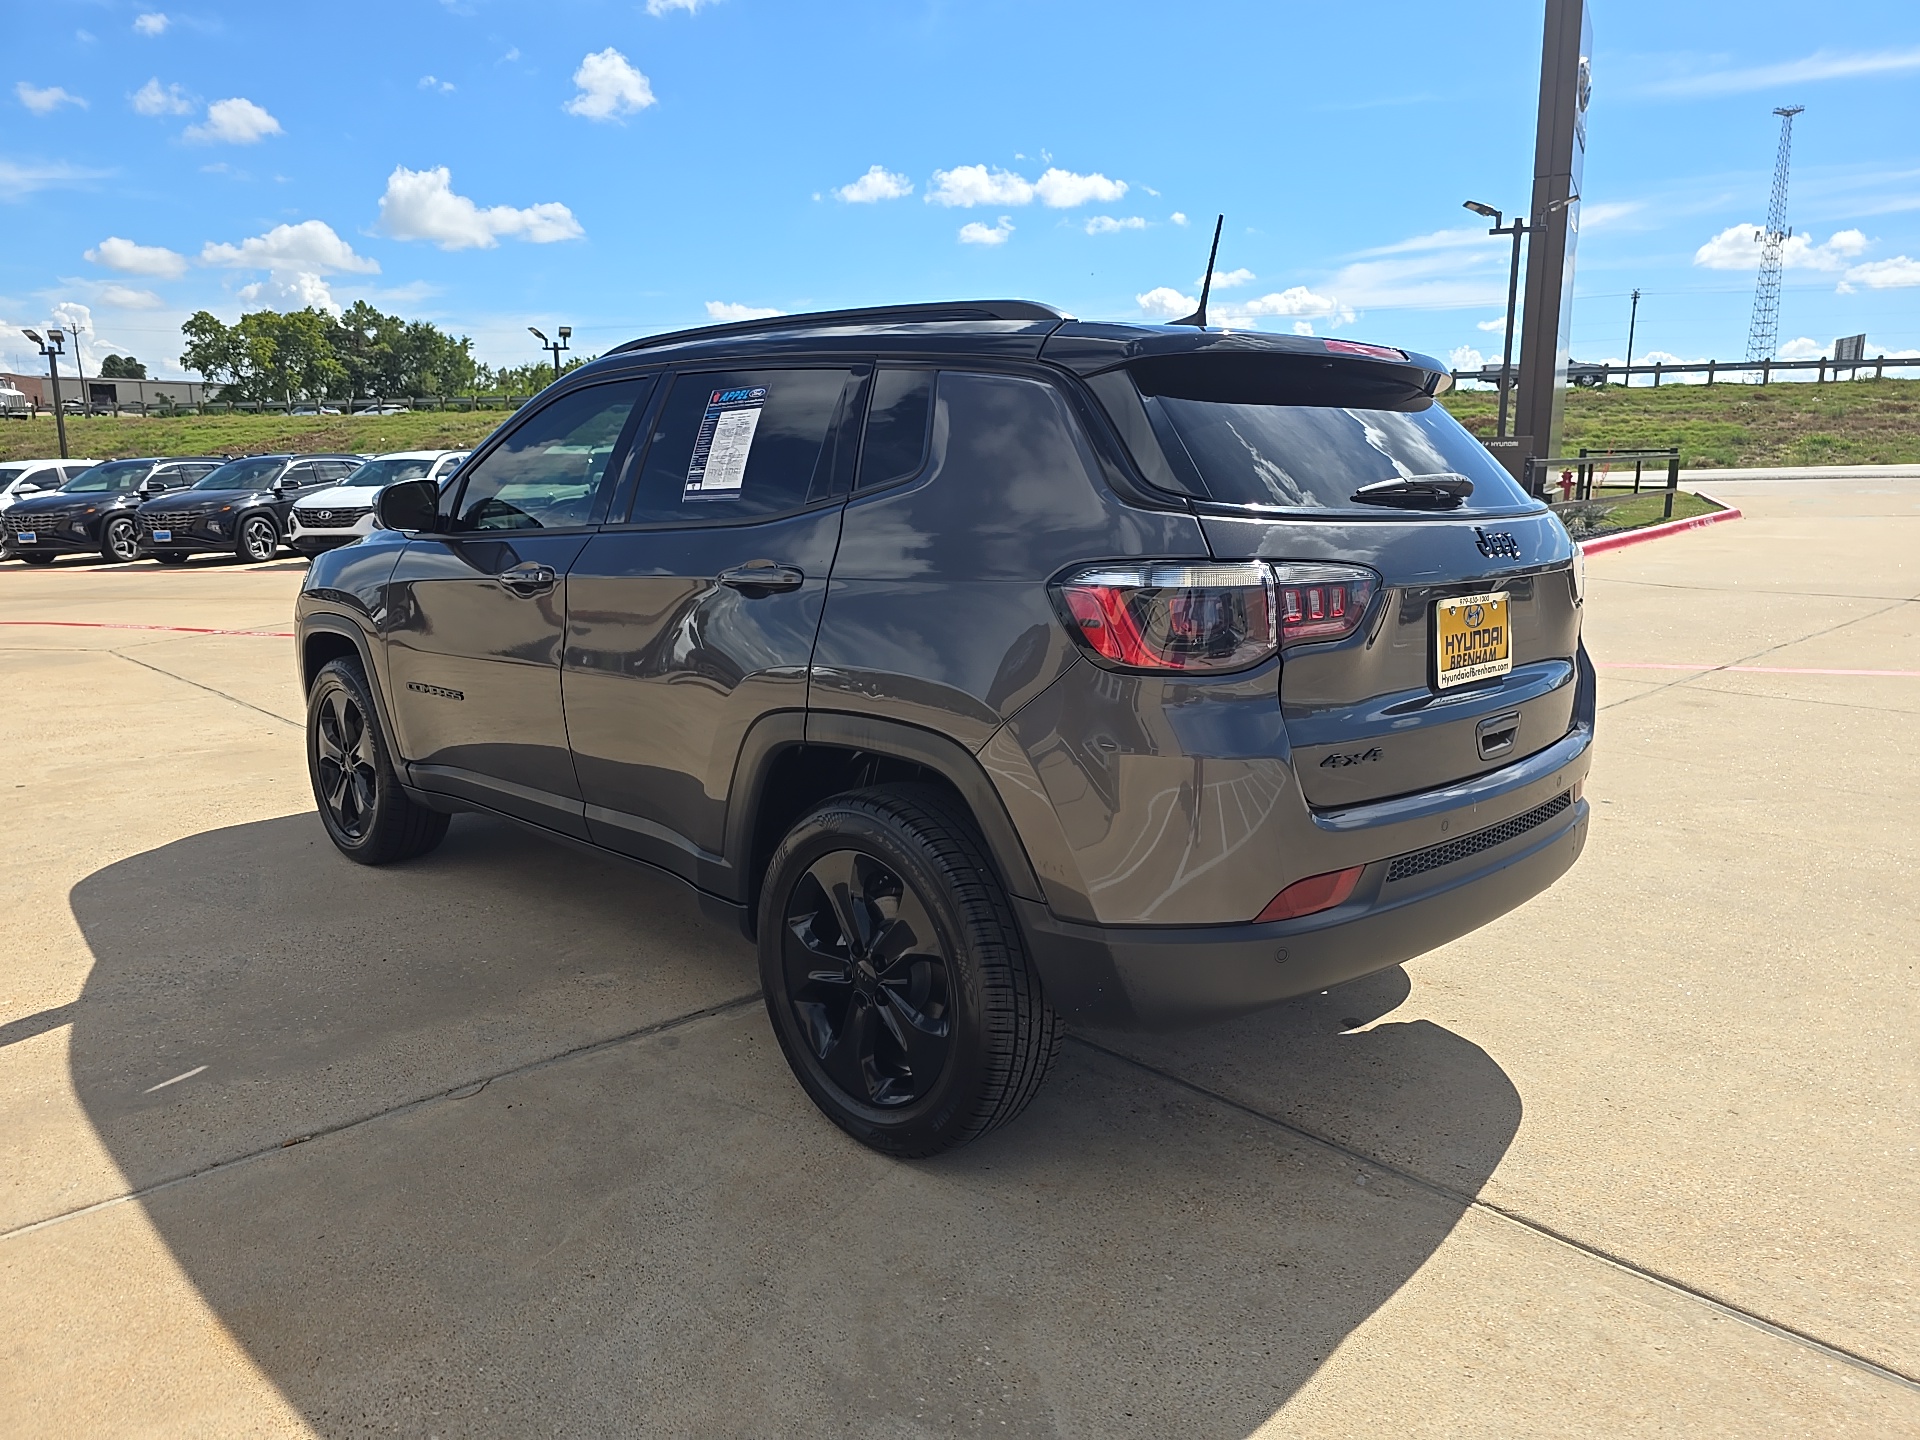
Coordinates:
[1436,492]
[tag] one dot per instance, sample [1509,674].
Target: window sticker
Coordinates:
[720,449]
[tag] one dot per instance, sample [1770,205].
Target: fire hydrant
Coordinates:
[1566,485]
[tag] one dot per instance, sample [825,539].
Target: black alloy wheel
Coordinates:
[258,540]
[868,978]
[895,975]
[367,814]
[118,540]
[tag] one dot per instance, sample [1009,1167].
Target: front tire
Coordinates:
[369,818]
[895,975]
[258,540]
[118,541]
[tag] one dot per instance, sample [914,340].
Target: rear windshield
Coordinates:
[110,478]
[242,475]
[1285,434]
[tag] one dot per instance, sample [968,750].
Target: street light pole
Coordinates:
[1633,319]
[565,333]
[51,347]
[1517,230]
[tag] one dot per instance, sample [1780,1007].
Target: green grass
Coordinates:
[1649,507]
[105,437]
[1859,422]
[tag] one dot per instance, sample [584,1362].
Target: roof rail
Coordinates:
[873,315]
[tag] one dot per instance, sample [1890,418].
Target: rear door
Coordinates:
[696,614]
[476,614]
[1464,661]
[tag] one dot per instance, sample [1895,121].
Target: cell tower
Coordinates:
[1764,332]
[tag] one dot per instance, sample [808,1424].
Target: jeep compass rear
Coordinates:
[989,668]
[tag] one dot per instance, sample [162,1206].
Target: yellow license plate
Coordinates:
[1471,639]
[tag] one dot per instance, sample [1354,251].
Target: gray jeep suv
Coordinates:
[991,669]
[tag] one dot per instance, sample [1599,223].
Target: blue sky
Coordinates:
[636,166]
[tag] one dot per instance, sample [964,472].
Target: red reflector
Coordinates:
[1311,895]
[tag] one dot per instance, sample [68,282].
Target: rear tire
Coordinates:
[895,975]
[369,818]
[118,541]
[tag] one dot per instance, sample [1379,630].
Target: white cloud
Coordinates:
[1062,189]
[151,23]
[124,297]
[879,183]
[974,233]
[234,122]
[1229,279]
[1498,323]
[1178,218]
[45,101]
[1602,213]
[1446,269]
[131,259]
[310,245]
[1738,248]
[1465,357]
[153,98]
[1166,303]
[609,87]
[1294,300]
[1821,65]
[658,8]
[970,185]
[421,205]
[1107,225]
[18,180]
[290,290]
[1303,327]
[1895,274]
[435,83]
[730,310]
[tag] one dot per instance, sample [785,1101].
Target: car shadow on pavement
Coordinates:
[657,1233]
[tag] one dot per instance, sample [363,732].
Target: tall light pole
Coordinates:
[1517,230]
[565,333]
[51,347]
[1633,320]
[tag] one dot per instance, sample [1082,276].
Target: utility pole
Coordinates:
[1518,231]
[80,364]
[1633,319]
[51,347]
[565,332]
[1764,332]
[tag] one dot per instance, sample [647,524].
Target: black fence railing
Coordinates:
[1580,475]
[362,405]
[1825,368]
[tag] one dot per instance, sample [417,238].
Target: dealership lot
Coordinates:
[498,1141]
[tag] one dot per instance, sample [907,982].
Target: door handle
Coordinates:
[530,578]
[762,578]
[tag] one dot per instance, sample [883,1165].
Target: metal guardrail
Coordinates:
[1827,367]
[361,406]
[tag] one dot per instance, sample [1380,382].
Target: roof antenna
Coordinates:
[1199,317]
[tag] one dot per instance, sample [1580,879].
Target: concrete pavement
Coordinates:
[497,1142]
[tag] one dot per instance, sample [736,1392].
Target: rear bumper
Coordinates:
[1154,978]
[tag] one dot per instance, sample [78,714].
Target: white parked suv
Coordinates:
[342,514]
[21,478]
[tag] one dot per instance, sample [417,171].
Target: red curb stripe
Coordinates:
[1750,669]
[175,629]
[1655,532]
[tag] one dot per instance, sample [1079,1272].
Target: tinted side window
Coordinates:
[896,438]
[739,443]
[549,470]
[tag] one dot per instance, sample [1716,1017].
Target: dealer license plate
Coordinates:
[28,537]
[163,536]
[1471,639]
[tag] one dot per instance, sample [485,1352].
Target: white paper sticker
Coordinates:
[724,441]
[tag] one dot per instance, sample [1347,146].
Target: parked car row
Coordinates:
[166,508]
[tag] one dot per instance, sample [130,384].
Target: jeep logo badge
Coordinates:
[1496,544]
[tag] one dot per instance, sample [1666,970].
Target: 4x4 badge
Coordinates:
[1496,544]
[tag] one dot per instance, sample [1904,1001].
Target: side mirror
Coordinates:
[408,505]
[27,487]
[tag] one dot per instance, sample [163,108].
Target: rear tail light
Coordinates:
[1312,895]
[1211,618]
[1322,602]
[1157,615]
[1354,347]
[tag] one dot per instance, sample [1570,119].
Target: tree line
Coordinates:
[312,354]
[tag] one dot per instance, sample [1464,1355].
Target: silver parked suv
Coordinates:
[990,668]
